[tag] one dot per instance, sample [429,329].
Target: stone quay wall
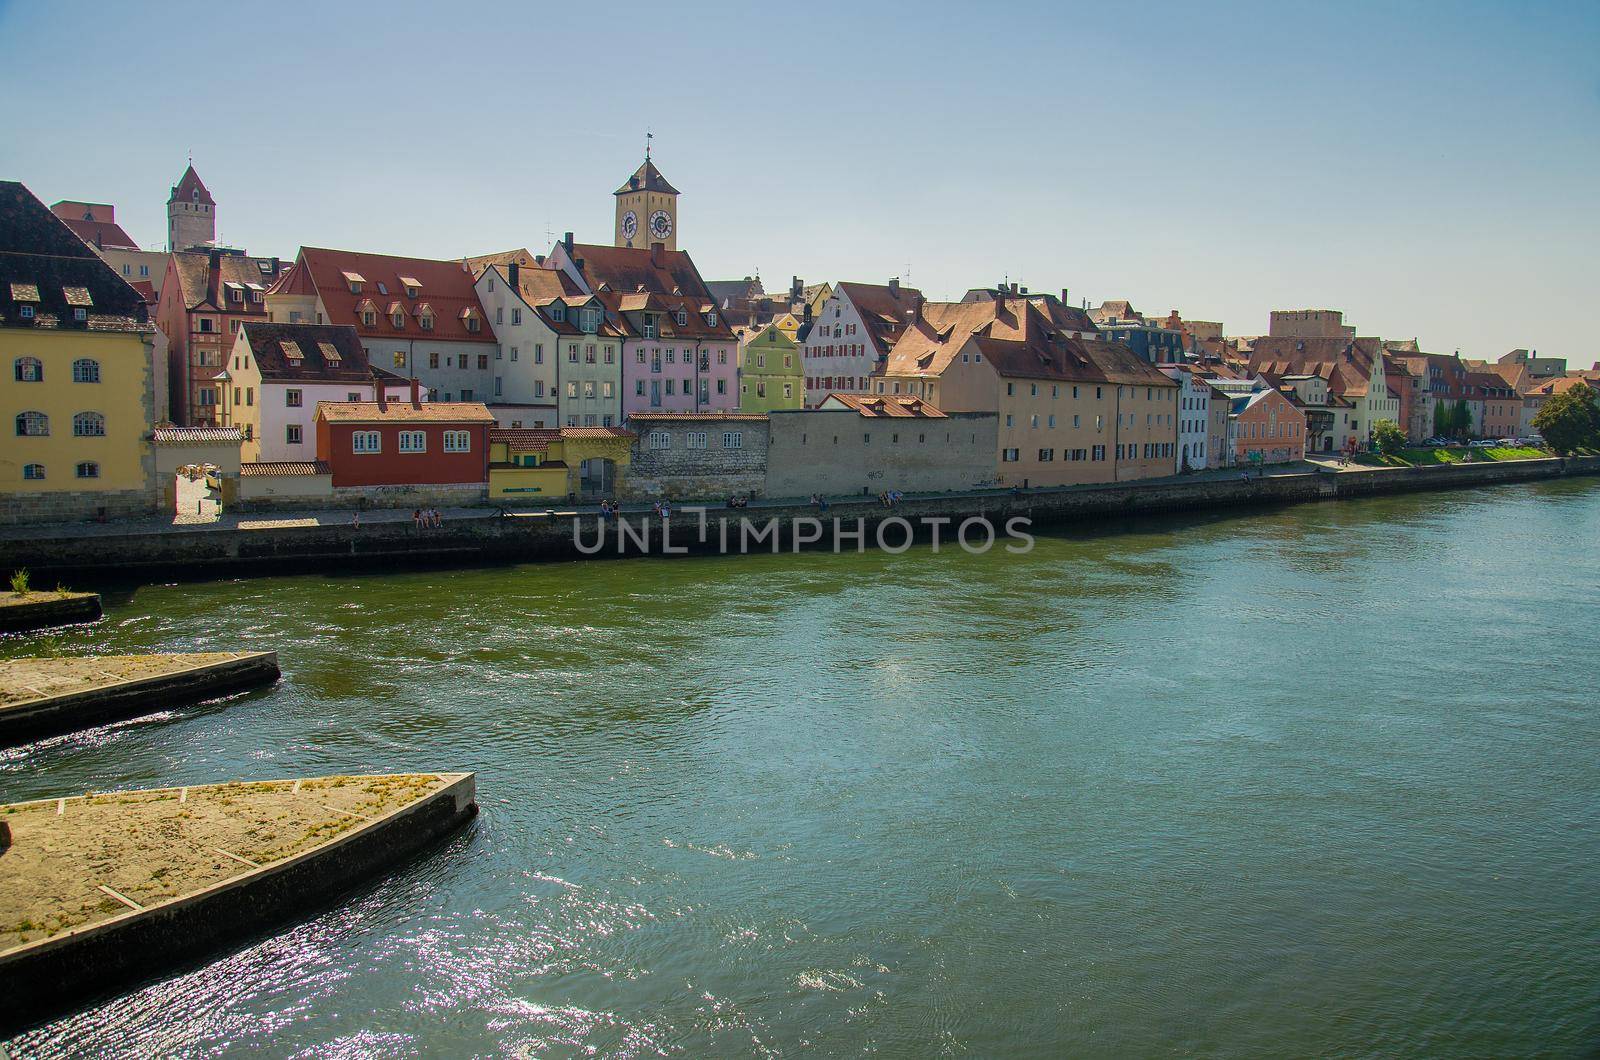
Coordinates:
[491,537]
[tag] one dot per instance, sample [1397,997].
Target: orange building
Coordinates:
[1266,427]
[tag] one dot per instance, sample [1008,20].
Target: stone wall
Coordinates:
[65,506]
[840,453]
[714,472]
[489,537]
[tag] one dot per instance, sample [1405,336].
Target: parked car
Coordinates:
[1436,442]
[1482,443]
[1508,442]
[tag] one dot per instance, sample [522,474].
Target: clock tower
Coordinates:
[647,209]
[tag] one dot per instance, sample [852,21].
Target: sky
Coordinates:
[1431,169]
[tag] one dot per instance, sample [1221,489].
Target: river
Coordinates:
[1321,779]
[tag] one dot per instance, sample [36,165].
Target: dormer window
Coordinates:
[711,318]
[649,325]
[425,317]
[369,318]
[591,320]
[26,311]
[558,312]
[80,314]
[356,281]
[398,319]
[412,285]
[682,318]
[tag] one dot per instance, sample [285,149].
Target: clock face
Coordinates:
[630,224]
[660,224]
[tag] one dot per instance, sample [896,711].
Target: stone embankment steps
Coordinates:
[42,610]
[44,697]
[101,891]
[539,536]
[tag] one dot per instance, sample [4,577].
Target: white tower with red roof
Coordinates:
[191,214]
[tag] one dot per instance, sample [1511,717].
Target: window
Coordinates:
[88,469]
[369,318]
[483,362]
[695,440]
[1010,456]
[33,472]
[426,322]
[538,353]
[681,317]
[399,321]
[292,434]
[29,370]
[89,425]
[588,388]
[413,442]
[466,394]
[249,395]
[32,425]
[591,321]
[660,440]
[293,399]
[366,442]
[85,370]
[458,441]
[1046,455]
[572,389]
[352,397]
[732,440]
[516,315]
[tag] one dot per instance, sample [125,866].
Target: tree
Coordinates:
[1390,438]
[1570,421]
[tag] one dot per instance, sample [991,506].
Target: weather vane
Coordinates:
[648,136]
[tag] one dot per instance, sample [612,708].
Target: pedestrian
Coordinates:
[355,520]
[416,519]
[438,518]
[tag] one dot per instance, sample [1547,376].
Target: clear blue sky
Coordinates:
[1431,169]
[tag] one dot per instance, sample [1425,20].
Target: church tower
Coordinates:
[191,213]
[647,209]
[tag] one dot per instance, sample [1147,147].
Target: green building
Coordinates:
[770,376]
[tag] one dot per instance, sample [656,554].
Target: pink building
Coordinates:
[678,354]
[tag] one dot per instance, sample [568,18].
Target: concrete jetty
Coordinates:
[20,612]
[103,890]
[43,697]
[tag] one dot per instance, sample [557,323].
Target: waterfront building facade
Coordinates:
[207,296]
[851,337]
[703,456]
[770,374]
[678,352]
[78,393]
[1266,428]
[527,365]
[864,444]
[1194,416]
[278,375]
[405,443]
[417,317]
[1070,411]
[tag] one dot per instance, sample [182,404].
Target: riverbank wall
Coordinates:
[58,974]
[44,610]
[53,714]
[529,537]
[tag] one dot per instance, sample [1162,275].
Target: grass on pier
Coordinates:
[22,680]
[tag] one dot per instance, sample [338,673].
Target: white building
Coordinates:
[281,371]
[850,338]
[1194,417]
[526,366]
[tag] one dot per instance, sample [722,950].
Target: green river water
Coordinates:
[1320,780]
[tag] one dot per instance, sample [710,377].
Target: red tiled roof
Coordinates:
[404,412]
[525,439]
[196,435]
[596,432]
[102,234]
[882,308]
[189,183]
[620,274]
[309,467]
[891,406]
[707,416]
[446,286]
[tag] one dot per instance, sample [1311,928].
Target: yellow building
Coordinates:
[78,352]
[534,466]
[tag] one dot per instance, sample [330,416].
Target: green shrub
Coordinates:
[19,582]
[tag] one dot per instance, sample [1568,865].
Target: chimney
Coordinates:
[416,389]
[894,286]
[216,258]
[538,259]
[378,391]
[511,275]
[1065,300]
[658,255]
[567,241]
[805,313]
[277,266]
[797,290]
[577,263]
